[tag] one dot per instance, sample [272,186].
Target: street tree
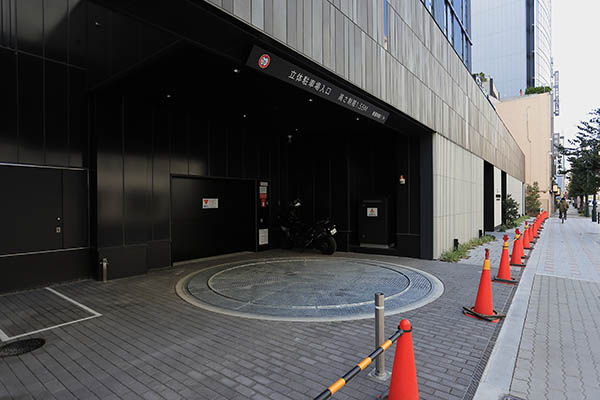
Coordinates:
[583,155]
[532,199]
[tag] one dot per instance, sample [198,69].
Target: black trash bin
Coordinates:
[375,223]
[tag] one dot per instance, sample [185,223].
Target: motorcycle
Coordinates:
[297,234]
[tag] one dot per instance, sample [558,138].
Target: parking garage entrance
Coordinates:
[215,151]
[196,132]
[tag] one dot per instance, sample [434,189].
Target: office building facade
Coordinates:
[512,42]
[143,133]
[454,19]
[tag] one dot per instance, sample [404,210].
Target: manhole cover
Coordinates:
[308,289]
[307,283]
[21,347]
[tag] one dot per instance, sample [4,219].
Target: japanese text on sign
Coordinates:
[311,83]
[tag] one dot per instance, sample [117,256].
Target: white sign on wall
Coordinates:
[210,203]
[371,211]
[263,236]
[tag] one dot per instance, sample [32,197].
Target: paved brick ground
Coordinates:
[35,309]
[559,354]
[477,255]
[150,344]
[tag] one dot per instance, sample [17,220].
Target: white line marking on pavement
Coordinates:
[97,314]
[5,338]
[51,327]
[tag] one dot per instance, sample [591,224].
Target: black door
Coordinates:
[31,209]
[488,196]
[212,217]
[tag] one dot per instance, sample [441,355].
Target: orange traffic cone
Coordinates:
[484,308]
[403,385]
[526,240]
[517,252]
[504,270]
[530,236]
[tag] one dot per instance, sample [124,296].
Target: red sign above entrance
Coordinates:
[264,61]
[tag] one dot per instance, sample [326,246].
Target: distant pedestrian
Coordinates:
[563,206]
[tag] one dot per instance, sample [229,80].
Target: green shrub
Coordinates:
[532,200]
[455,255]
[538,89]
[510,209]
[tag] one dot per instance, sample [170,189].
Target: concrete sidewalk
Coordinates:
[548,347]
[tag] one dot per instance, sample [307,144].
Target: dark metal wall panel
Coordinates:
[8,24]
[161,178]
[159,254]
[75,217]
[125,261]
[109,170]
[218,149]
[79,150]
[98,42]
[137,179]
[30,26]
[56,24]
[414,186]
[179,144]
[126,44]
[42,101]
[38,269]
[8,107]
[426,195]
[77,36]
[31,107]
[56,131]
[235,152]
[31,209]
[199,144]
[199,232]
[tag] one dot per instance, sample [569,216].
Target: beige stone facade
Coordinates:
[529,119]
[413,69]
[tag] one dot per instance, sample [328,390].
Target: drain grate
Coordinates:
[21,347]
[511,397]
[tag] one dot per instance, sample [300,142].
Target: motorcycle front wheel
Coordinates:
[328,245]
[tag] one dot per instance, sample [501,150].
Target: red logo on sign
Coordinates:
[264,61]
[205,201]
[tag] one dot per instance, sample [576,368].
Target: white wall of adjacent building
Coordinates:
[457,194]
[514,187]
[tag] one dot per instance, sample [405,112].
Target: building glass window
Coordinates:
[439,13]
[458,4]
[449,25]
[458,34]
[467,17]
[452,16]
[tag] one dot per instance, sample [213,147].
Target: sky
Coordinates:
[576,53]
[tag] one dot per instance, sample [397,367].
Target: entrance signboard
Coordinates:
[210,203]
[267,62]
